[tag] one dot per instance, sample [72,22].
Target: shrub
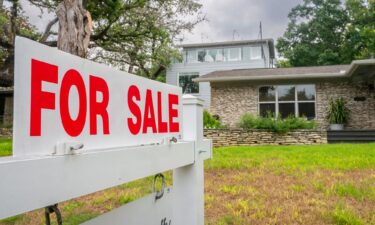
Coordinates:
[278,125]
[210,122]
[338,113]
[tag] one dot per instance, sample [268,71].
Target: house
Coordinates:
[301,91]
[201,59]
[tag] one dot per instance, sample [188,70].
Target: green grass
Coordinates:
[351,190]
[239,187]
[344,216]
[291,158]
[5,147]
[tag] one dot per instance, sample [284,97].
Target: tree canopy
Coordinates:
[326,32]
[133,35]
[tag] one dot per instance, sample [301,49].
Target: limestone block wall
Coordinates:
[8,110]
[6,132]
[231,101]
[240,137]
[362,113]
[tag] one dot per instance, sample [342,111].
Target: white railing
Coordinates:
[28,183]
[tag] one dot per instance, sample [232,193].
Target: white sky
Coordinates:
[227,19]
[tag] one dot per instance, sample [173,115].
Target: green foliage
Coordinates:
[137,35]
[283,63]
[344,216]
[210,122]
[278,125]
[134,35]
[361,29]
[5,147]
[325,32]
[360,193]
[78,219]
[336,157]
[338,113]
[12,220]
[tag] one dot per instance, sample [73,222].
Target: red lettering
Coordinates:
[149,114]
[98,84]
[163,126]
[134,127]
[73,127]
[40,99]
[173,113]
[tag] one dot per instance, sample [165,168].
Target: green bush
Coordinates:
[278,125]
[338,113]
[210,122]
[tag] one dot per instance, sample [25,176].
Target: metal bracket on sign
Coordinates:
[160,193]
[68,148]
[52,209]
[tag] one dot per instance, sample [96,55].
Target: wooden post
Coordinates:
[75,27]
[188,181]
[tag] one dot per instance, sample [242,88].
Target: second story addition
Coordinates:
[261,51]
[204,58]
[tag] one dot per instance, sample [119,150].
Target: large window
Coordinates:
[228,54]
[233,54]
[191,56]
[256,53]
[187,84]
[287,100]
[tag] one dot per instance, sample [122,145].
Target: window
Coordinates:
[191,56]
[252,53]
[233,54]
[287,100]
[201,55]
[256,53]
[187,84]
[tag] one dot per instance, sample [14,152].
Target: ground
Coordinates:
[323,184]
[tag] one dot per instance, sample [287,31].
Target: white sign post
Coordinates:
[81,127]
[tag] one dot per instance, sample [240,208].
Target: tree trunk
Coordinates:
[75,27]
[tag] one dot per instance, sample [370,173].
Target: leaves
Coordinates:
[338,113]
[324,32]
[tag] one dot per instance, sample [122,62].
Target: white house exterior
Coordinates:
[201,59]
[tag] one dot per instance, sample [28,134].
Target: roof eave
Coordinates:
[274,77]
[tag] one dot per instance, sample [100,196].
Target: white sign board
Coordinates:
[145,211]
[61,99]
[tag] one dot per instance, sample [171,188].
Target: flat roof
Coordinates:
[360,69]
[268,41]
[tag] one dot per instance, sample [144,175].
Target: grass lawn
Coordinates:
[325,184]
[5,147]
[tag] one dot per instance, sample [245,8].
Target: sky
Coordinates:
[226,19]
[239,20]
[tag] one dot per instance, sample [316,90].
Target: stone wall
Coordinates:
[240,137]
[362,113]
[8,110]
[6,132]
[230,101]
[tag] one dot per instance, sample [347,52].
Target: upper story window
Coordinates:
[191,56]
[233,54]
[287,100]
[255,53]
[252,53]
[228,54]
[201,55]
[187,84]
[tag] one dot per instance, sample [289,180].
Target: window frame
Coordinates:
[229,59]
[179,74]
[296,101]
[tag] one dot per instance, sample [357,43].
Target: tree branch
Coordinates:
[47,32]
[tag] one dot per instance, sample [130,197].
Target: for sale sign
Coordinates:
[62,100]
